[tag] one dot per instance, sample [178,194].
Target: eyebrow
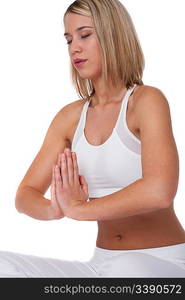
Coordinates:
[78,29]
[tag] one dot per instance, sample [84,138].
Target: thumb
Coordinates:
[84,184]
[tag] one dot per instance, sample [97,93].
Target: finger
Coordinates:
[58,160]
[58,181]
[64,170]
[69,166]
[59,164]
[52,182]
[75,167]
[84,183]
[53,190]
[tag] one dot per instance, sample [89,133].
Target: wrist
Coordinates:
[53,213]
[79,212]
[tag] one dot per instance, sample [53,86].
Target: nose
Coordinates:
[75,46]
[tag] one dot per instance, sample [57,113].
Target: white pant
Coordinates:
[152,262]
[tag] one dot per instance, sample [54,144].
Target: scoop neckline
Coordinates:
[113,131]
[101,145]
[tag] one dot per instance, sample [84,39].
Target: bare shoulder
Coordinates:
[72,107]
[149,100]
[146,93]
[39,174]
[70,113]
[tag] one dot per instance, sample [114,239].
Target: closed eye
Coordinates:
[83,37]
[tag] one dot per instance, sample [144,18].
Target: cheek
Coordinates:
[94,49]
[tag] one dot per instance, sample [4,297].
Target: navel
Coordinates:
[119,237]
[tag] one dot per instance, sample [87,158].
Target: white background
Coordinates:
[35,85]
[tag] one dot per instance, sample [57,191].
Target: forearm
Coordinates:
[32,203]
[137,198]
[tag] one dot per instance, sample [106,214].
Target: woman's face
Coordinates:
[83,44]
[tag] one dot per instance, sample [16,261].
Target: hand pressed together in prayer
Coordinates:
[69,190]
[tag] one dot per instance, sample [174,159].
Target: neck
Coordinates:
[106,93]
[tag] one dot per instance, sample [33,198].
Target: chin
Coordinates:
[83,76]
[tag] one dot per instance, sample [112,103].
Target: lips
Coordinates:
[78,60]
[80,63]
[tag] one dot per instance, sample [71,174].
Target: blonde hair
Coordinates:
[123,59]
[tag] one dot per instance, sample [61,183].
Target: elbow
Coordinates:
[18,200]
[163,193]
[168,194]
[166,202]
[17,204]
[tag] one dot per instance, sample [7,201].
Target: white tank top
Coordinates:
[113,165]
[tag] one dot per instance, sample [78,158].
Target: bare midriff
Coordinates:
[149,230]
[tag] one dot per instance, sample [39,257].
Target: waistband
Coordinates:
[170,252]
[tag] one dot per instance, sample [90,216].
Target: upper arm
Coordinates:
[39,173]
[159,156]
